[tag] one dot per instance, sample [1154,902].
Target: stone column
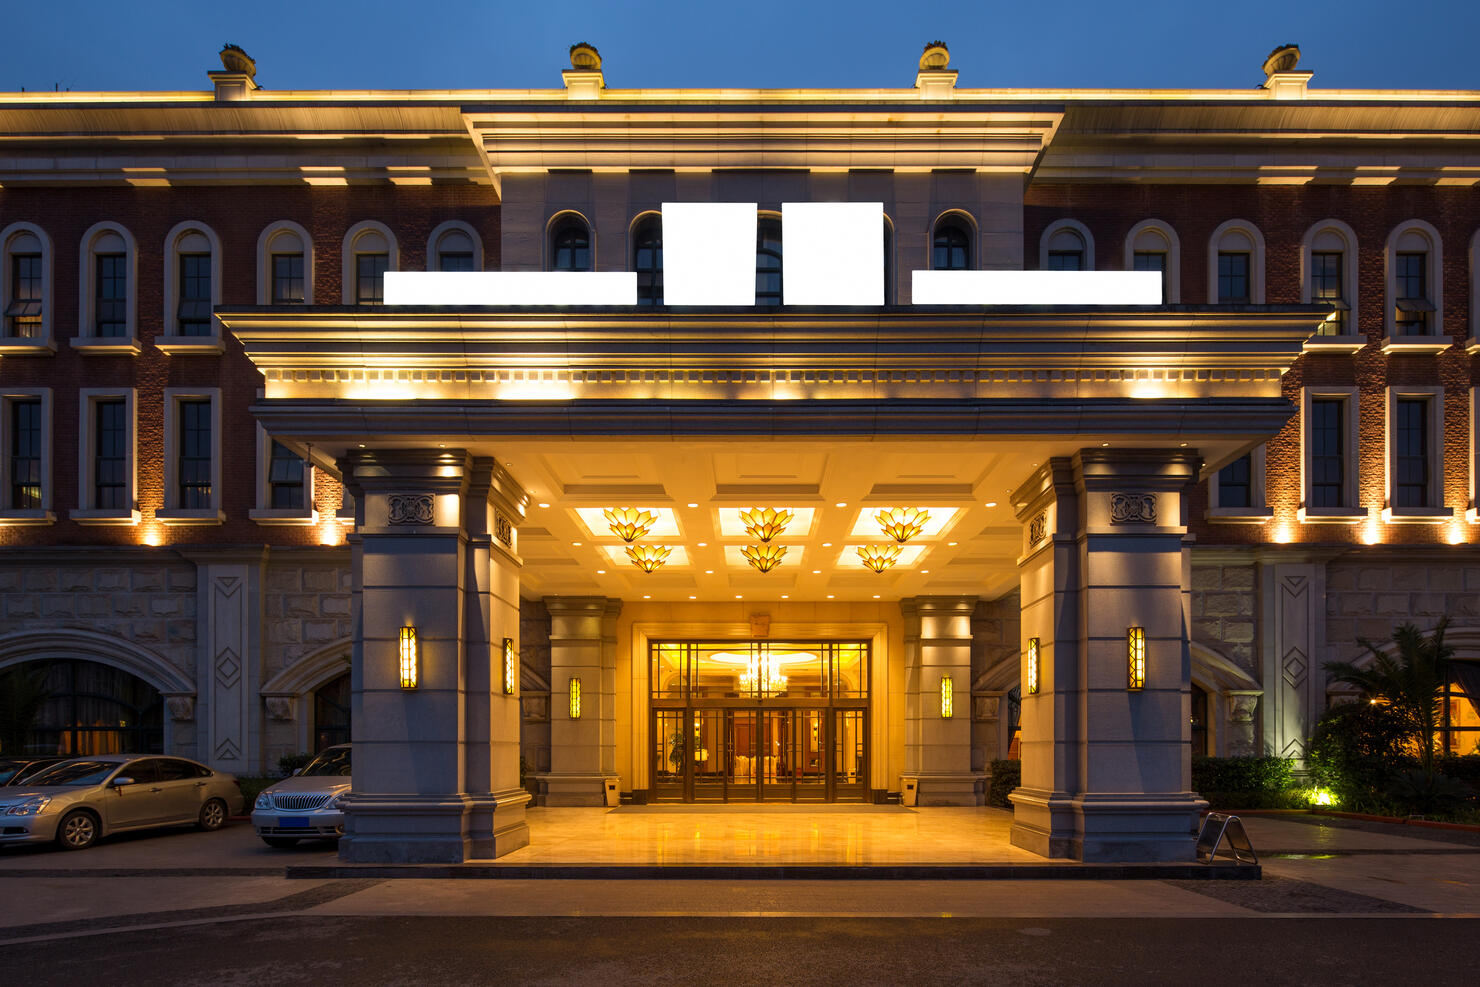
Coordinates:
[937,644]
[583,752]
[1109,775]
[436,766]
[229,669]
[1292,639]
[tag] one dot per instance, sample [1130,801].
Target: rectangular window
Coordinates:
[455,262]
[1066,260]
[284,479]
[111,317]
[110,454]
[194,314]
[1236,483]
[287,279]
[1233,278]
[1326,287]
[195,452]
[1152,261]
[1327,437]
[1411,437]
[23,313]
[25,455]
[1411,284]
[370,278]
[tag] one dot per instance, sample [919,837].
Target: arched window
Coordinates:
[1066,245]
[107,300]
[1236,264]
[1152,245]
[888,262]
[25,284]
[454,246]
[768,260]
[331,713]
[284,265]
[369,251]
[570,244]
[76,707]
[950,244]
[1415,288]
[1328,261]
[647,259]
[192,279]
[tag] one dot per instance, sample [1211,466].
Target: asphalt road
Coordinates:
[308,949]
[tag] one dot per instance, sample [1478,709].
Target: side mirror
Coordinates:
[296,772]
[122,780]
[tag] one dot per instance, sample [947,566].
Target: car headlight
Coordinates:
[333,803]
[30,806]
[264,801]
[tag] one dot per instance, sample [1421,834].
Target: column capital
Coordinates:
[576,606]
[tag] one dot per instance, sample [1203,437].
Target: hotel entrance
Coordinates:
[760,721]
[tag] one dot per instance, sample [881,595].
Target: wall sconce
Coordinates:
[575,699]
[947,698]
[1135,656]
[1032,673]
[511,668]
[410,659]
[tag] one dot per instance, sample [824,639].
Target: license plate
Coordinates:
[293,822]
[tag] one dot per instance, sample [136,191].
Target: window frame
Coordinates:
[86,341]
[557,224]
[171,512]
[1436,509]
[640,222]
[45,339]
[1434,340]
[264,513]
[87,511]
[1258,511]
[265,254]
[172,341]
[1353,338]
[1350,511]
[1256,259]
[45,513]
[434,243]
[765,217]
[966,224]
[1086,241]
[1172,279]
[349,272]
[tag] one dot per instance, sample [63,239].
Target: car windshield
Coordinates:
[9,769]
[75,773]
[334,761]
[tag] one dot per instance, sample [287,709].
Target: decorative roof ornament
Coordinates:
[584,57]
[629,523]
[648,558]
[1282,59]
[234,59]
[763,558]
[766,523]
[902,523]
[878,557]
[936,57]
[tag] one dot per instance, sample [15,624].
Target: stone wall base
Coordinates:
[564,788]
[1043,822]
[430,829]
[949,788]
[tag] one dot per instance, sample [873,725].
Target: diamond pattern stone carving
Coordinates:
[1294,668]
[228,668]
[226,750]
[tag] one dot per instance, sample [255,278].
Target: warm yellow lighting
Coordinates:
[574,692]
[1032,673]
[410,659]
[1284,533]
[1135,653]
[947,698]
[902,523]
[763,558]
[511,668]
[762,674]
[648,557]
[1456,533]
[1321,796]
[1371,534]
[878,557]
[629,523]
[766,523]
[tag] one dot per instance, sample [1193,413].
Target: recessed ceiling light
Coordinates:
[816,572]
[786,596]
[1184,445]
[704,544]
[362,445]
[829,596]
[841,503]
[991,503]
[693,597]
[575,544]
[544,505]
[1104,445]
[708,572]
[925,572]
[827,544]
[646,597]
[601,572]
[876,596]
[739,597]
[952,544]
[693,505]
[441,445]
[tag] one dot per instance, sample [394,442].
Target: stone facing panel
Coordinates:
[1224,602]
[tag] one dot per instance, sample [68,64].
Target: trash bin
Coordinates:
[909,791]
[613,797]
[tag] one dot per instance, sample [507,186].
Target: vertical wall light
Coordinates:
[511,668]
[1032,673]
[947,697]
[575,699]
[1135,657]
[410,660]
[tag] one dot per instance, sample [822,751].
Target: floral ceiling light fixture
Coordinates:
[902,523]
[766,523]
[648,557]
[629,523]
[763,558]
[878,557]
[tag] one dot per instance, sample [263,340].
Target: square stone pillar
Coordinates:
[583,751]
[1106,766]
[436,766]
[937,645]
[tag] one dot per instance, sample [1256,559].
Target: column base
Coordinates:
[432,829]
[1116,828]
[948,788]
[1043,823]
[567,788]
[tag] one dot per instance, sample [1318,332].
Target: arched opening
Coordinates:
[950,248]
[647,259]
[76,707]
[331,713]
[570,245]
[768,260]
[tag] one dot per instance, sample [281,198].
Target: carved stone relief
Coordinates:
[280,708]
[1037,528]
[1132,508]
[182,708]
[409,509]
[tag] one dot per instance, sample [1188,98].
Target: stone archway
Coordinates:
[287,697]
[1233,698]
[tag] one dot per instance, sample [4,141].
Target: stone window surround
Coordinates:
[434,243]
[171,512]
[264,512]
[87,512]
[559,219]
[1173,246]
[44,514]
[45,342]
[1350,512]
[1435,511]
[1435,340]
[1256,258]
[1074,226]
[171,341]
[1259,511]
[85,340]
[352,237]
[1353,339]
[264,259]
[968,223]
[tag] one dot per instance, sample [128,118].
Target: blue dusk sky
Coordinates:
[479,44]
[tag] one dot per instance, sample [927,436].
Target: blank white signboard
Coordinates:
[1036,287]
[833,253]
[709,253]
[510,288]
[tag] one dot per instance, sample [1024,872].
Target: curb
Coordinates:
[785,872]
[1394,820]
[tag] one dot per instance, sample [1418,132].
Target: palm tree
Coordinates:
[1408,681]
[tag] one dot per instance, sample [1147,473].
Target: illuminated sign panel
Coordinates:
[709,253]
[834,253]
[463,288]
[1036,287]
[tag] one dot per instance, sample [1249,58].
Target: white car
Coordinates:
[305,806]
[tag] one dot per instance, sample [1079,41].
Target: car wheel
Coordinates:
[280,842]
[212,815]
[77,831]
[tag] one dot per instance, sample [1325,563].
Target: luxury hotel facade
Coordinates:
[769,551]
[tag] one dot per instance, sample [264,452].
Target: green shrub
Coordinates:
[1354,751]
[1006,775]
[1241,774]
[1429,793]
[1464,767]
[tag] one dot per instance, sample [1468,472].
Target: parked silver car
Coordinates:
[79,801]
[306,805]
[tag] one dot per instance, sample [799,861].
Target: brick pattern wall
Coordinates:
[305,606]
[1224,602]
[1368,596]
